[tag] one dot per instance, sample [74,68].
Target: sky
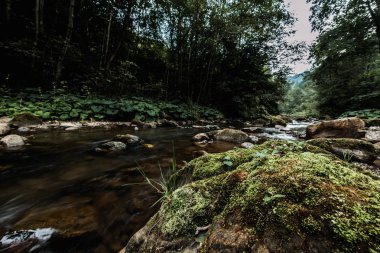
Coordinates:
[301,11]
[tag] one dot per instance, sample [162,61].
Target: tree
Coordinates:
[346,56]
[325,14]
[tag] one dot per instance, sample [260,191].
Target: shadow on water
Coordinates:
[58,184]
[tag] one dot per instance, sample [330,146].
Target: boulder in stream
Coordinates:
[339,128]
[128,139]
[12,141]
[111,146]
[276,197]
[231,135]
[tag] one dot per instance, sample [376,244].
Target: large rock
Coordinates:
[231,135]
[12,140]
[277,197]
[348,149]
[373,134]
[339,128]
[277,120]
[25,119]
[128,139]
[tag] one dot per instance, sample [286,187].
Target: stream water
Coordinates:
[61,197]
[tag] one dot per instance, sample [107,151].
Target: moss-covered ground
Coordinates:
[279,196]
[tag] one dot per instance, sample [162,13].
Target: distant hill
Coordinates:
[296,80]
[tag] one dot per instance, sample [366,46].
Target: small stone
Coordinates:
[148,146]
[23,129]
[200,137]
[136,128]
[72,128]
[254,139]
[12,140]
[247,145]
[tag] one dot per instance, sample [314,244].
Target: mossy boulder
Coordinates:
[348,149]
[25,119]
[278,120]
[276,197]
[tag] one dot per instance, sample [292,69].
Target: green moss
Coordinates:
[277,120]
[311,225]
[279,191]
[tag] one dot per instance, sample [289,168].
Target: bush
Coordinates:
[60,106]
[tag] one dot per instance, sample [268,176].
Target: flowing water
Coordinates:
[61,197]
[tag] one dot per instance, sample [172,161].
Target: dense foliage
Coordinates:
[226,53]
[61,106]
[347,60]
[301,98]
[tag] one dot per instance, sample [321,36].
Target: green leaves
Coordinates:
[71,107]
[227,161]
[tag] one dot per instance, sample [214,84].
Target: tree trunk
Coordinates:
[108,33]
[41,17]
[8,9]
[66,42]
[37,22]
[127,24]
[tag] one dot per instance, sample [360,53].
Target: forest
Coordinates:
[225,54]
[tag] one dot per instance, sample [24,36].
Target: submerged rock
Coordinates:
[231,135]
[339,128]
[111,146]
[277,197]
[12,140]
[128,139]
[348,149]
[25,119]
